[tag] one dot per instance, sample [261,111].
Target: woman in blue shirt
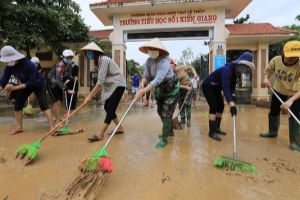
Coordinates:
[224,80]
[31,81]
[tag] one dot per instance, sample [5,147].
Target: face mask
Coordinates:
[90,55]
[67,61]
[242,69]
[153,54]
[10,64]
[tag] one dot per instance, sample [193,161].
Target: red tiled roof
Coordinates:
[234,30]
[256,29]
[101,34]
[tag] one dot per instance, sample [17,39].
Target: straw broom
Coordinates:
[31,150]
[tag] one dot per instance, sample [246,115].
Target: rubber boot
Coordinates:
[167,127]
[274,122]
[212,131]
[188,116]
[218,124]
[294,133]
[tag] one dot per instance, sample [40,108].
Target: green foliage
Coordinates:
[104,45]
[242,20]
[41,23]
[133,67]
[187,57]
[276,49]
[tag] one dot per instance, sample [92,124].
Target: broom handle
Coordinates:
[297,120]
[66,100]
[234,138]
[185,99]
[119,124]
[152,98]
[63,121]
[66,124]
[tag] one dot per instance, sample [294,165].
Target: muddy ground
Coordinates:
[182,170]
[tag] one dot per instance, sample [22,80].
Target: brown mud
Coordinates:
[182,170]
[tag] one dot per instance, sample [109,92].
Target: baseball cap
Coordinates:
[292,49]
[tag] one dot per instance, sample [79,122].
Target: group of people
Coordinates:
[170,84]
[30,79]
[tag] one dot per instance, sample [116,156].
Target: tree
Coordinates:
[132,67]
[32,24]
[187,56]
[276,49]
[242,20]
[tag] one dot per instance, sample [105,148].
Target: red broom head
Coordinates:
[105,164]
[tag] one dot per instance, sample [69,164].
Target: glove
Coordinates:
[233,111]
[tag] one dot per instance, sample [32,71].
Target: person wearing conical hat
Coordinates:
[181,72]
[31,81]
[160,76]
[111,83]
[224,80]
[286,68]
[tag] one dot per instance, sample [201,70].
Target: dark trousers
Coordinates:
[22,96]
[214,99]
[275,105]
[111,104]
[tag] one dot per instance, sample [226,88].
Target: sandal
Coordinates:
[117,133]
[94,138]
[16,131]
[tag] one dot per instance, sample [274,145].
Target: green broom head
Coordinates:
[28,110]
[93,163]
[234,165]
[64,130]
[29,150]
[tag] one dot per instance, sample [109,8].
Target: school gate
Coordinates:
[140,20]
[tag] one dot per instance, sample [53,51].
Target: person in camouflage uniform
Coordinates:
[161,77]
[185,89]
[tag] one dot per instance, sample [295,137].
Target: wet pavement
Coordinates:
[182,170]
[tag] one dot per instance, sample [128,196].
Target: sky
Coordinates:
[276,12]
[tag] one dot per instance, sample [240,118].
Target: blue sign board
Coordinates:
[220,61]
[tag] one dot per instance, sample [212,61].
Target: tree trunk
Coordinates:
[28,53]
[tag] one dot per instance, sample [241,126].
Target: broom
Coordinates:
[292,114]
[233,163]
[100,161]
[31,150]
[175,122]
[66,130]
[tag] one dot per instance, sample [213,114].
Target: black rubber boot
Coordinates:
[212,131]
[294,133]
[274,122]
[218,124]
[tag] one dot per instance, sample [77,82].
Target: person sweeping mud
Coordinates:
[181,72]
[224,80]
[58,77]
[111,83]
[286,68]
[31,82]
[161,77]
